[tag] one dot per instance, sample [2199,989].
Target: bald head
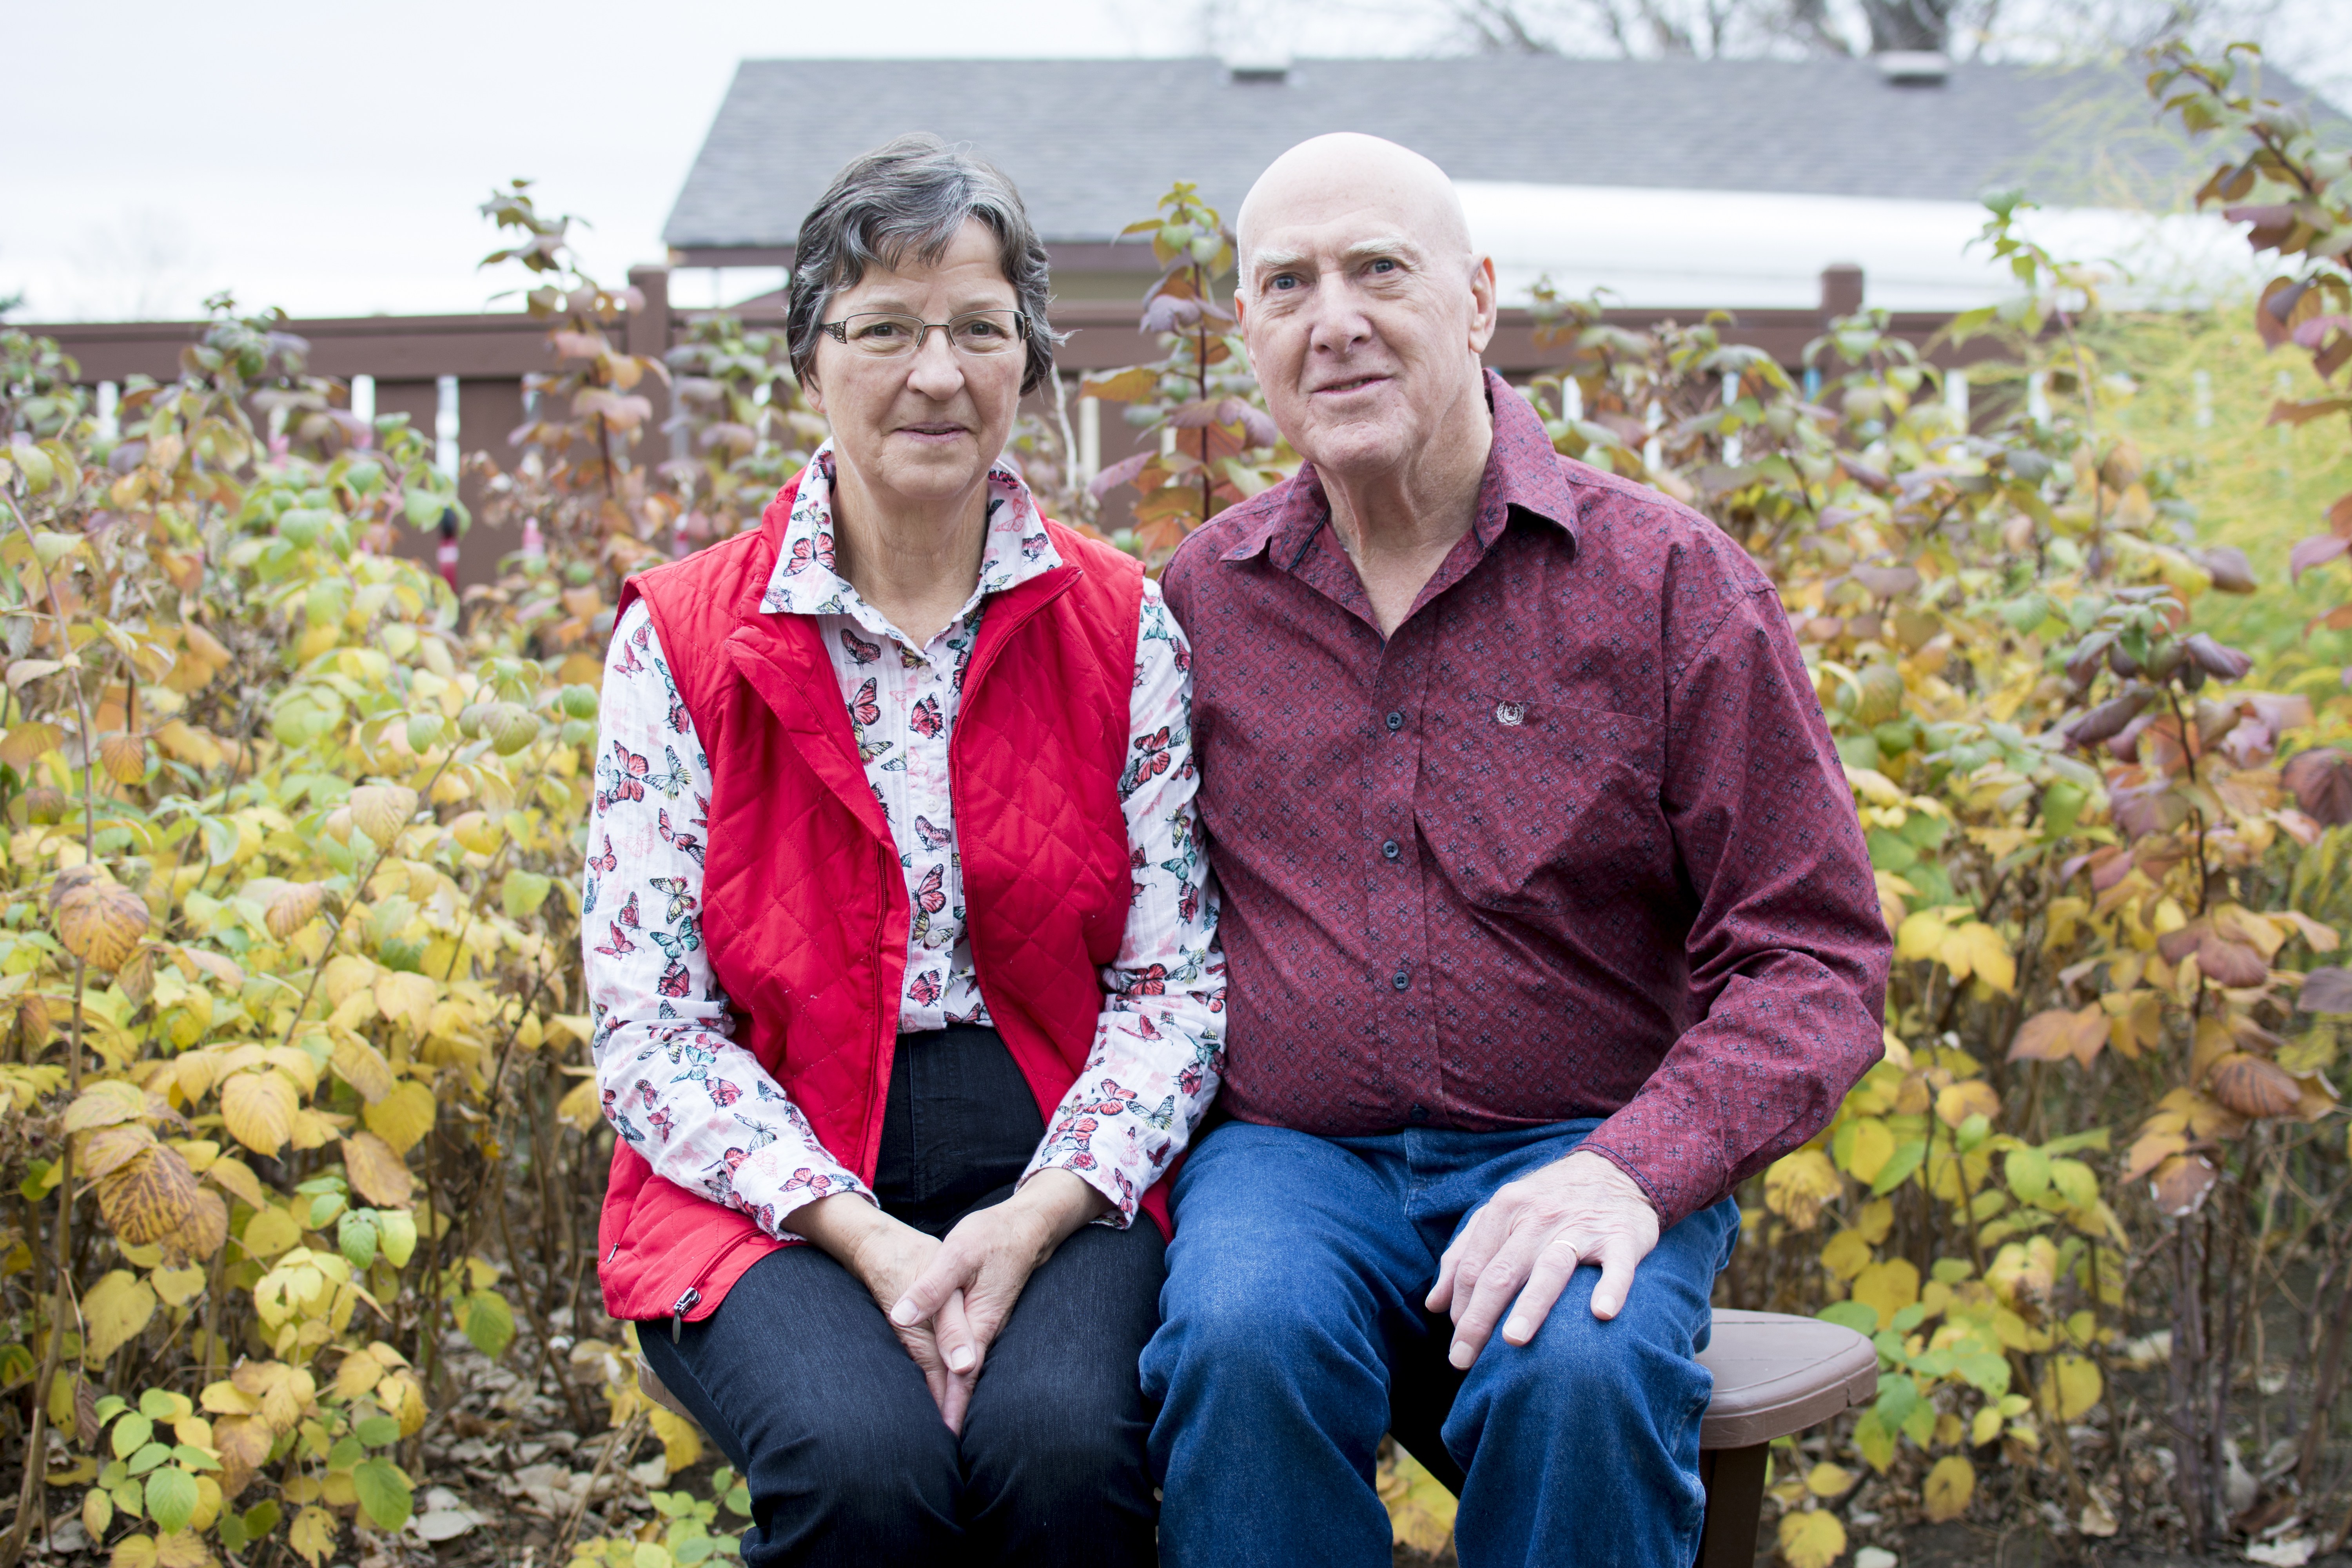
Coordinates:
[1328,177]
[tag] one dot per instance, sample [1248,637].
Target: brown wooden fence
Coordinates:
[430,366]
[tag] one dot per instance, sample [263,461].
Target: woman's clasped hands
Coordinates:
[947,1299]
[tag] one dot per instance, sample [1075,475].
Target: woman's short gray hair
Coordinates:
[912,196]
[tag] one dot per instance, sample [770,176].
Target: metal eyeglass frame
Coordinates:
[839,329]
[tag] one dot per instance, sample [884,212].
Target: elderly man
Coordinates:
[1548,921]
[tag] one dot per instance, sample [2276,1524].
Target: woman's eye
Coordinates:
[878,329]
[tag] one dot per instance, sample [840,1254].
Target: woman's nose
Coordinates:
[937,371]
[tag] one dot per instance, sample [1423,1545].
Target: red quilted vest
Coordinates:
[806,911]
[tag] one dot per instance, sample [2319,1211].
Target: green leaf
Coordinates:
[396,1234]
[347,1452]
[170,1498]
[1984,1372]
[523,893]
[489,1322]
[148,1456]
[384,1492]
[129,1434]
[1908,1158]
[1852,1315]
[355,1236]
[260,1520]
[378,1431]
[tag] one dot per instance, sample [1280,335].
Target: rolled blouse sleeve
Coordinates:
[1158,1046]
[699,1107]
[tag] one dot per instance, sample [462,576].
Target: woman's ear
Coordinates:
[812,391]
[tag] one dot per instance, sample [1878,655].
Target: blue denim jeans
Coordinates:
[1293,1336]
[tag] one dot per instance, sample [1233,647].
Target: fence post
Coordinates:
[648,333]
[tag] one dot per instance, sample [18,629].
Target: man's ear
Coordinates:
[1485,314]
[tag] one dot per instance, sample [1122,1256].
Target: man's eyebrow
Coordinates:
[1384,245]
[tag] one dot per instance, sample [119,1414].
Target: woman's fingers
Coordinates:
[959,1346]
[950,1269]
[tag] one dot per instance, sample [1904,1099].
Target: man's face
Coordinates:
[1364,313]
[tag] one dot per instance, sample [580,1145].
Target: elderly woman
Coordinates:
[899,937]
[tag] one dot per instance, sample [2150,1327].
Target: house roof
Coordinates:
[1093,143]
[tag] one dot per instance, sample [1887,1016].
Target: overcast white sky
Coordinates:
[330,158]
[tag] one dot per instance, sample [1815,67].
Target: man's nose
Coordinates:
[1339,323]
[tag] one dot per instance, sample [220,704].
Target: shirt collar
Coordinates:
[804,583]
[1523,473]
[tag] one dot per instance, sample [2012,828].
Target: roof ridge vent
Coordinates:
[1914,68]
[1266,66]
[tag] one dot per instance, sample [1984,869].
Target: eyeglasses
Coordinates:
[887,335]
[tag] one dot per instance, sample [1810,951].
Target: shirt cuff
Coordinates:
[1113,1184]
[772,1183]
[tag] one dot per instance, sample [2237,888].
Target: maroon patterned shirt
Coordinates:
[1573,842]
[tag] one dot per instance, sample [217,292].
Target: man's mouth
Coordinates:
[1353,383]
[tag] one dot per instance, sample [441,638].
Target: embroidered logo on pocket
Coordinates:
[1510,714]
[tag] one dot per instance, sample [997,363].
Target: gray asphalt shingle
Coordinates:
[1093,143]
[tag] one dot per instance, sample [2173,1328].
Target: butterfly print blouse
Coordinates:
[698,1107]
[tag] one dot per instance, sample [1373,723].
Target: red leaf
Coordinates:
[1119,473]
[2321,779]
[2316,551]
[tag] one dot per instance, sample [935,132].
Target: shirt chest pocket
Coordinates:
[1528,804]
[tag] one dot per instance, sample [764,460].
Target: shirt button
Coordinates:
[1389,847]
[1418,1113]
[1396,722]
[1402,979]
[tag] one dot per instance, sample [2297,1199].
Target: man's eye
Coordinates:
[1383,265]
[1283,281]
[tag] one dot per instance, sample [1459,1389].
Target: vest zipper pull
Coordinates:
[677,1313]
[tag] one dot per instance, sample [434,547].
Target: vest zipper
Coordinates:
[677,1313]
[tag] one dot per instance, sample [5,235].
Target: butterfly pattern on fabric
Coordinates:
[696,1105]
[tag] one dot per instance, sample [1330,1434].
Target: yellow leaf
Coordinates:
[269,1232]
[1985,1428]
[133,1552]
[1847,1254]
[681,1441]
[1798,1185]
[1948,1488]
[1873,1145]
[2079,1386]
[381,811]
[110,1148]
[113,1312]
[1876,1219]
[181,1549]
[124,757]
[97,1513]
[1955,1103]
[312,1534]
[295,907]
[408,997]
[1421,1511]
[581,1106]
[1813,1539]
[26,743]
[103,1104]
[235,1176]
[377,1172]
[149,1198]
[177,1287]
[359,1373]
[189,745]
[257,1108]
[362,1067]
[1828,1481]
[402,1117]
[1922,936]
[98,918]
[345,973]
[1887,1287]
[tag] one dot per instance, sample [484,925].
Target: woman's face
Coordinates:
[922,427]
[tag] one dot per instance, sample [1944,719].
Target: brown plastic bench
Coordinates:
[1775,1375]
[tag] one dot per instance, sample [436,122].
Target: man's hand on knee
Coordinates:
[1521,1249]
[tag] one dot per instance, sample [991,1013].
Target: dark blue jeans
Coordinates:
[1293,1336]
[798,1377]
